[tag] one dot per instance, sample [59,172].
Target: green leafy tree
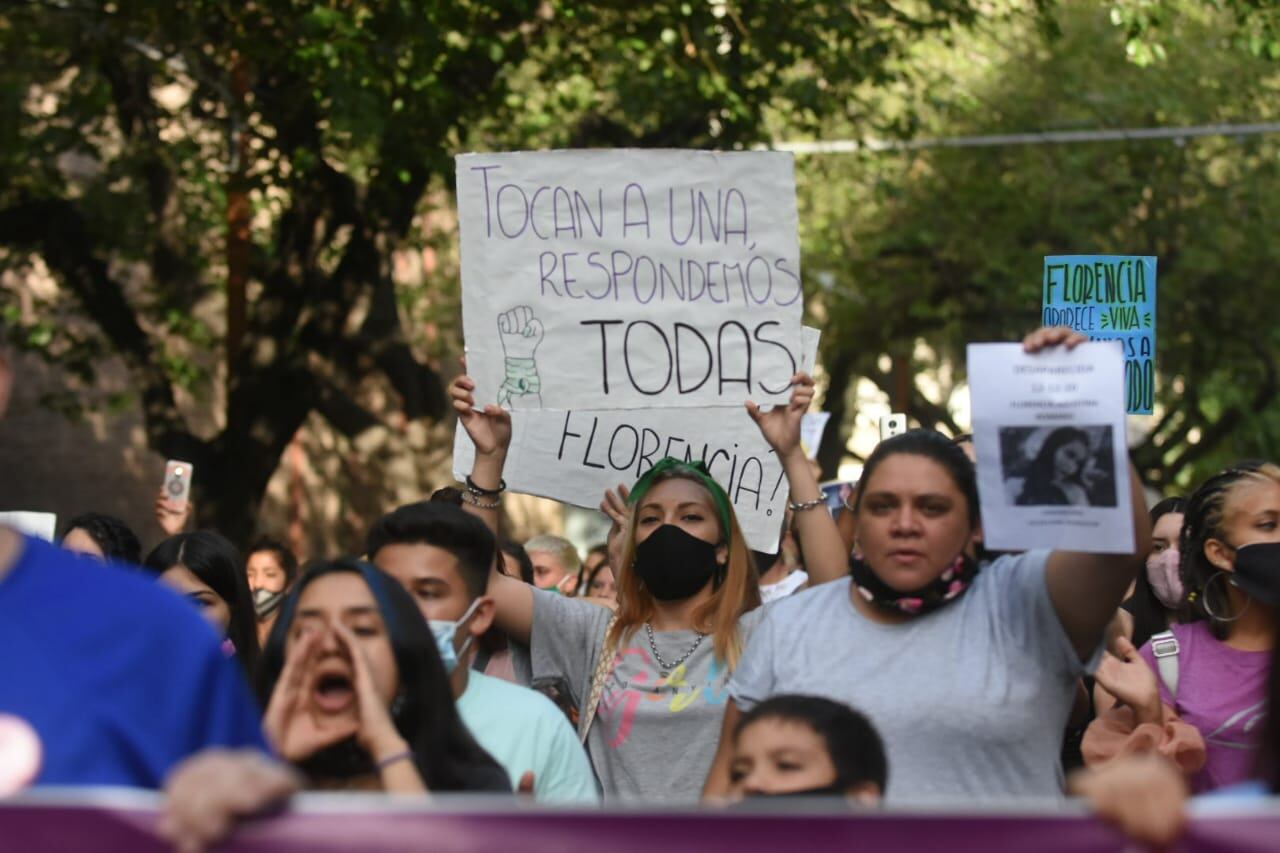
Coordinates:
[1144,22]
[201,176]
[945,245]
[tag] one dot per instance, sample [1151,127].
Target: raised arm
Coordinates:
[847,522]
[825,557]
[490,431]
[1085,588]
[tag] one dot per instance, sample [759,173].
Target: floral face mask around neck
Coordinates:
[944,589]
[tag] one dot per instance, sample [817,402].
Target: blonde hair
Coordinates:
[718,617]
[563,549]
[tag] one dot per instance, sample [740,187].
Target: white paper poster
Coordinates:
[1053,466]
[575,456]
[43,525]
[811,430]
[629,279]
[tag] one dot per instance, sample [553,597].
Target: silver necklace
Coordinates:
[667,667]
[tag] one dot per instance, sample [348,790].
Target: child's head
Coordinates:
[807,745]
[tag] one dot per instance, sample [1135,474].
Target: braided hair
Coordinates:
[1204,517]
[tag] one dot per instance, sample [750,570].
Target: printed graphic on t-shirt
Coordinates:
[636,686]
[1242,730]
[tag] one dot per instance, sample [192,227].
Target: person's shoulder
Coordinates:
[522,708]
[38,560]
[46,564]
[513,697]
[110,591]
[1010,585]
[490,688]
[1187,636]
[563,604]
[1000,576]
[1192,634]
[561,609]
[807,602]
[1019,561]
[1191,630]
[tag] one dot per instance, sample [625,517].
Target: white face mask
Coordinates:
[1162,573]
[444,629]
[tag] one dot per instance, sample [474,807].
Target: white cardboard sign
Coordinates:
[811,430]
[629,279]
[43,525]
[575,456]
[1049,429]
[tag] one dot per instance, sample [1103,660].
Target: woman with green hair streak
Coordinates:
[650,680]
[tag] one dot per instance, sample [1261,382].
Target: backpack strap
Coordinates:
[1165,647]
[603,667]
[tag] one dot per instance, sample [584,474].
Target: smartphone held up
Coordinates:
[892,424]
[177,481]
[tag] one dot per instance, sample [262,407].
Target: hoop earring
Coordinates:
[1204,601]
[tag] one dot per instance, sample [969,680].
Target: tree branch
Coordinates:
[55,230]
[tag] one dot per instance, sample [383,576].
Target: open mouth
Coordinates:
[333,692]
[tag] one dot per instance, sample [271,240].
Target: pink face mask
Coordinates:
[1162,572]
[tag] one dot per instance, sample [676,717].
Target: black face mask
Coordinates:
[760,802]
[674,564]
[1258,571]
[832,790]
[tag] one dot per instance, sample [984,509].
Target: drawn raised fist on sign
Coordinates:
[521,332]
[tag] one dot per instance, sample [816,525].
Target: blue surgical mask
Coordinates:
[443,630]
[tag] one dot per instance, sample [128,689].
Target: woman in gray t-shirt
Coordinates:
[967,674]
[651,680]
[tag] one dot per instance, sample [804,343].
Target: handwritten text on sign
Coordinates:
[1109,298]
[630,279]
[575,456]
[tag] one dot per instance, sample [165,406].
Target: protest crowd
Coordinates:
[885,653]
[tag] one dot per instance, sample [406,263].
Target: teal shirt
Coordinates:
[524,731]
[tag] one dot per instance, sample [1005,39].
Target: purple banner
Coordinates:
[125,821]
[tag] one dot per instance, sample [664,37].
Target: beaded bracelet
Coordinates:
[474,500]
[807,505]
